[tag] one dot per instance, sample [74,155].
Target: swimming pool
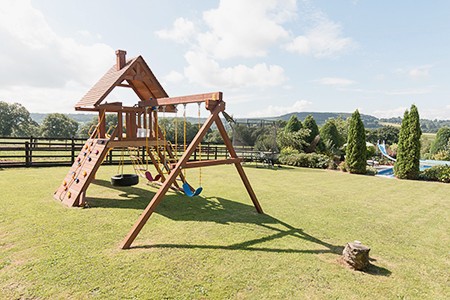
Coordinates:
[424,164]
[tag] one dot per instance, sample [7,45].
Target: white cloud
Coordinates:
[183,30]
[336,81]
[421,71]
[173,77]
[441,113]
[205,71]
[245,28]
[390,113]
[411,91]
[324,39]
[40,62]
[274,110]
[397,92]
[415,72]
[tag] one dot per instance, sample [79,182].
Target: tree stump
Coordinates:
[356,255]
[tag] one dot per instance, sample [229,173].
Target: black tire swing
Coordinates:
[124,179]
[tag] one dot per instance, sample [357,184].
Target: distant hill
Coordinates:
[80,118]
[426,125]
[320,117]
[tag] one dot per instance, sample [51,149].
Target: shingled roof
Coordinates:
[134,73]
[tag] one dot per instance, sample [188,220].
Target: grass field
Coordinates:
[217,247]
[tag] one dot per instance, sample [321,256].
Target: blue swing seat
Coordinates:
[187,190]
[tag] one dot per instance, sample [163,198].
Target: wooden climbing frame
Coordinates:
[136,74]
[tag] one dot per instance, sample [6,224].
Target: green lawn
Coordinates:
[216,246]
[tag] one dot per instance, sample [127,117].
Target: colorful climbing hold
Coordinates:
[84,173]
[69,194]
[64,183]
[97,152]
[77,180]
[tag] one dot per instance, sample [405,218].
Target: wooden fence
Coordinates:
[38,152]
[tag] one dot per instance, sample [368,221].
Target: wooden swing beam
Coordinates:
[215,109]
[198,98]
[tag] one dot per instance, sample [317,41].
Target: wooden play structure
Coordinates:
[138,128]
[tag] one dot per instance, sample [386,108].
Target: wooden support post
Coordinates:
[102,125]
[120,125]
[72,151]
[132,125]
[128,124]
[238,165]
[126,243]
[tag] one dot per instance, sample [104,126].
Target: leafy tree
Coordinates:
[356,145]
[58,125]
[295,140]
[407,165]
[441,140]
[313,138]
[388,134]
[110,119]
[342,127]
[214,137]
[15,120]
[293,125]
[168,125]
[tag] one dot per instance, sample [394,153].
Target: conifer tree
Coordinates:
[407,165]
[293,125]
[313,138]
[414,143]
[330,132]
[402,146]
[356,145]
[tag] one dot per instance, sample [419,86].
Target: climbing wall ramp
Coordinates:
[73,188]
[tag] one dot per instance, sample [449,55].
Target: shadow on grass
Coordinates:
[179,207]
[377,271]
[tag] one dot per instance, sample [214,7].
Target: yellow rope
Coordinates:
[156,134]
[176,133]
[121,161]
[164,136]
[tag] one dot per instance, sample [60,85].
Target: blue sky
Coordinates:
[268,57]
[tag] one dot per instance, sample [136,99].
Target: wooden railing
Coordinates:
[38,152]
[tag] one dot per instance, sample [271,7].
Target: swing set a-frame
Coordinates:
[132,121]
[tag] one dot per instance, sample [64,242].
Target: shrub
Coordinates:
[332,165]
[307,160]
[288,151]
[436,173]
[343,166]
[371,171]
[441,141]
